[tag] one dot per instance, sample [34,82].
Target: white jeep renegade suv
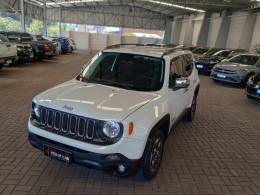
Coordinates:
[117,114]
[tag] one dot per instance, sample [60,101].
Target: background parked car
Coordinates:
[65,44]
[56,43]
[26,38]
[72,45]
[253,87]
[49,47]
[8,51]
[199,52]
[206,64]
[237,69]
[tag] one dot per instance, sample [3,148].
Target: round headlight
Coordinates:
[111,129]
[36,110]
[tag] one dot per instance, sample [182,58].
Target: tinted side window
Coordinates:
[176,70]
[188,64]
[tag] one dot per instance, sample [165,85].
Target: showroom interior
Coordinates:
[49,51]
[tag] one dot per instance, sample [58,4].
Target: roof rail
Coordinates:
[138,44]
[170,48]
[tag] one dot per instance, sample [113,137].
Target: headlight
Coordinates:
[36,109]
[19,49]
[111,129]
[250,81]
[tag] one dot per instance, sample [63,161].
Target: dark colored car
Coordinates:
[206,63]
[200,51]
[49,47]
[24,50]
[26,38]
[253,87]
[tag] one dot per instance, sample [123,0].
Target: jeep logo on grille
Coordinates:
[68,107]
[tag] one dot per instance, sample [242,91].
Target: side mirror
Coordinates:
[181,83]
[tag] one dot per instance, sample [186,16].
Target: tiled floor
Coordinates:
[219,153]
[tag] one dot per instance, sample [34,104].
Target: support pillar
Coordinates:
[22,16]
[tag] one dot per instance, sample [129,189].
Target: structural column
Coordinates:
[22,16]
[44,19]
[60,17]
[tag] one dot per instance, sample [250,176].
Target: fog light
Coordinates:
[121,168]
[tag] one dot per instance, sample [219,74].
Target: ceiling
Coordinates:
[165,7]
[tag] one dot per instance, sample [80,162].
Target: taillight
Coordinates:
[46,46]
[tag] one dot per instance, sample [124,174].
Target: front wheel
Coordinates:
[190,115]
[153,155]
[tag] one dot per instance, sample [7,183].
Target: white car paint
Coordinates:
[98,101]
[8,51]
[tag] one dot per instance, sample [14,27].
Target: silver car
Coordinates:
[237,70]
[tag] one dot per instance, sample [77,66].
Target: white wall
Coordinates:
[256,33]
[113,39]
[96,41]
[81,39]
[237,24]
[214,27]
[130,39]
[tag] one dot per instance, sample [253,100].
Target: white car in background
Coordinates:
[117,114]
[8,51]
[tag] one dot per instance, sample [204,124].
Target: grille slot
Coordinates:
[66,124]
[225,71]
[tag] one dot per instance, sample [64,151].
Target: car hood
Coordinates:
[94,100]
[233,66]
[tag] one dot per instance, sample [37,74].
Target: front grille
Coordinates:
[224,71]
[69,125]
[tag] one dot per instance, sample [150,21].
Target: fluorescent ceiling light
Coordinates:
[176,6]
[72,1]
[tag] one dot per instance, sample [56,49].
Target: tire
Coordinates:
[190,115]
[153,155]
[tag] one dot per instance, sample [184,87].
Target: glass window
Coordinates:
[188,59]
[245,59]
[223,54]
[200,50]
[176,70]
[129,71]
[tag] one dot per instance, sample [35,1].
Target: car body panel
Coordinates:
[103,102]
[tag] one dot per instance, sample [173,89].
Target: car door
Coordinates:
[3,48]
[189,73]
[177,100]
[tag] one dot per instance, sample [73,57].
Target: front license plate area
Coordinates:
[200,66]
[221,76]
[57,154]
[258,91]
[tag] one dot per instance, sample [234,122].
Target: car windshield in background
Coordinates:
[200,51]
[245,59]
[211,52]
[223,54]
[129,71]
[26,38]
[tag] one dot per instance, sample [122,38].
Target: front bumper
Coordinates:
[253,92]
[202,67]
[107,162]
[228,78]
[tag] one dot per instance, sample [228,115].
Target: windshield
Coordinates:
[200,51]
[129,71]
[223,54]
[245,59]
[212,51]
